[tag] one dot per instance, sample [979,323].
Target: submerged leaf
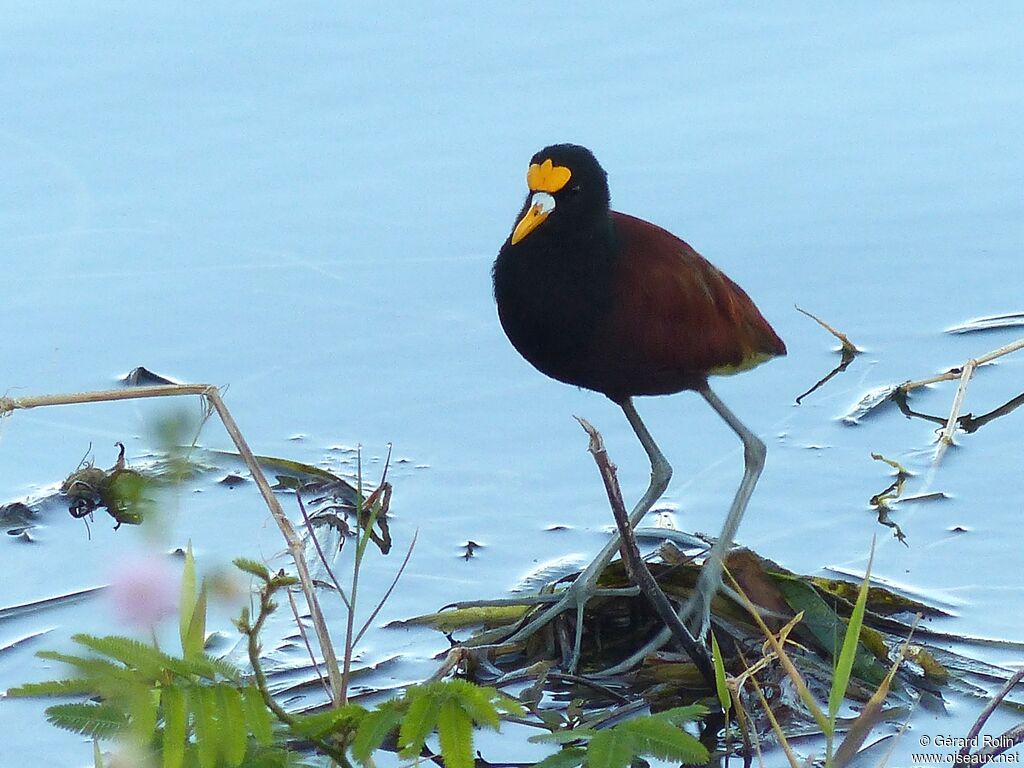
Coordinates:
[461,618]
[828,628]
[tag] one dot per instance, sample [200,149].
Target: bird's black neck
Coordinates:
[554,290]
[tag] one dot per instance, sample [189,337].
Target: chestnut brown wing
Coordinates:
[676,317]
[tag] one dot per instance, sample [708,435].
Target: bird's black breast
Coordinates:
[553,298]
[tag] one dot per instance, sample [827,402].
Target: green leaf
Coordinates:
[721,688]
[66,687]
[848,653]
[195,635]
[101,721]
[420,720]
[206,666]
[235,738]
[252,567]
[827,627]
[655,737]
[455,733]
[187,602]
[610,748]
[97,755]
[374,728]
[207,728]
[323,723]
[682,715]
[99,670]
[175,708]
[148,661]
[142,704]
[570,757]
[563,737]
[478,701]
[257,716]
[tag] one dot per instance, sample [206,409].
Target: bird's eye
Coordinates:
[575,190]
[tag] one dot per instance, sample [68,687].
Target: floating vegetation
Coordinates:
[119,490]
[990,323]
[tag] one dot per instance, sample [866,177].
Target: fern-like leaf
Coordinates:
[610,748]
[478,701]
[101,721]
[67,687]
[570,757]
[329,721]
[252,567]
[235,734]
[564,737]
[257,717]
[421,718]
[142,705]
[374,728]
[681,715]
[148,661]
[91,667]
[653,737]
[455,733]
[207,727]
[174,703]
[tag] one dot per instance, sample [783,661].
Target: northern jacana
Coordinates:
[615,304]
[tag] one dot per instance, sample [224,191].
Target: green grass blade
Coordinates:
[195,635]
[721,688]
[187,601]
[844,663]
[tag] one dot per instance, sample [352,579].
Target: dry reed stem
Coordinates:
[212,396]
[848,346]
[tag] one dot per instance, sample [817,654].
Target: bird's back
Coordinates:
[676,318]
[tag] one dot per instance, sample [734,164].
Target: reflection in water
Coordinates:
[844,363]
[880,501]
[848,349]
[968,422]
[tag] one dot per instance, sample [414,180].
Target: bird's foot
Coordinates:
[573,598]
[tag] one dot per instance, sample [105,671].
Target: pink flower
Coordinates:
[144,589]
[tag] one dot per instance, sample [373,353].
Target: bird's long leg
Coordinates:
[582,589]
[754,451]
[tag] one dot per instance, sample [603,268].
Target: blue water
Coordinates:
[303,203]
